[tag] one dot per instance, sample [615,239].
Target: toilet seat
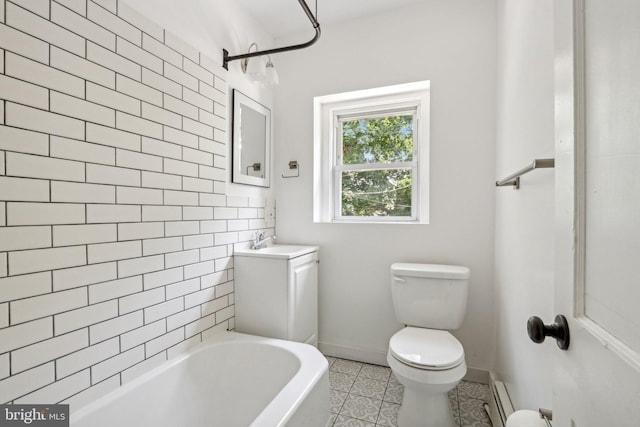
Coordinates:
[429,349]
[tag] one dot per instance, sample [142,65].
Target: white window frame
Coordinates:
[385,101]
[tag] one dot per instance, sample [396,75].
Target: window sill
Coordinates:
[372,221]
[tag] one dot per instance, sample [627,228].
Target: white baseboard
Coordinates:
[358,354]
[500,406]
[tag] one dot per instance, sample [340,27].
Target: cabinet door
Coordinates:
[261,296]
[303,299]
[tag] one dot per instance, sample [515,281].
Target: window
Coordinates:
[375,165]
[371,155]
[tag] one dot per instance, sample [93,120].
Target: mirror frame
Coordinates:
[237,175]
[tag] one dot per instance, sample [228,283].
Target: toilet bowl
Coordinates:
[428,363]
[424,356]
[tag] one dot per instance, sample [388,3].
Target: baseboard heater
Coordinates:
[500,406]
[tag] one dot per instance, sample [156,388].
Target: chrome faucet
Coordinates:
[260,241]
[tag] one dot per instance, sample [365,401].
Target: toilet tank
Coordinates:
[429,295]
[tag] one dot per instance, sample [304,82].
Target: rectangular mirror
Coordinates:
[251,141]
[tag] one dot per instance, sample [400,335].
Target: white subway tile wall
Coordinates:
[115,231]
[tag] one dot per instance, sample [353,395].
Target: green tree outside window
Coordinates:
[377,184]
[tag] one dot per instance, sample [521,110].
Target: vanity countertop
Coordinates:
[277,251]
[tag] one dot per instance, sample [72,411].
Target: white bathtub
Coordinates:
[230,380]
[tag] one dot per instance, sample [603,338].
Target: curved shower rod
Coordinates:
[316,26]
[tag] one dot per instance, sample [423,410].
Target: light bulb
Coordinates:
[271,75]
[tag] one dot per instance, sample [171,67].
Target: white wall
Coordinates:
[524,218]
[452,44]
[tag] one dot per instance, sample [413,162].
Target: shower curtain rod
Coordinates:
[316,26]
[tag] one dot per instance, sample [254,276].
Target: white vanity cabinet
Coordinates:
[276,292]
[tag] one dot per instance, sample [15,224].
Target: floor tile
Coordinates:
[394,380]
[331,360]
[369,395]
[477,424]
[342,421]
[394,392]
[336,400]
[340,381]
[375,372]
[369,387]
[474,390]
[453,404]
[362,408]
[347,366]
[472,412]
[388,414]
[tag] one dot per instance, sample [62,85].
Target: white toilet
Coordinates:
[429,299]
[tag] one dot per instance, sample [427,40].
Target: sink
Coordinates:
[277,251]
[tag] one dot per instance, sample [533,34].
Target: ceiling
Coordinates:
[285,17]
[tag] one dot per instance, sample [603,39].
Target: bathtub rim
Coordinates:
[312,368]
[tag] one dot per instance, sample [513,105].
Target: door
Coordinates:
[597,381]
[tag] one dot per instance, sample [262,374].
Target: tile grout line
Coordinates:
[382,399]
[383,394]
[349,393]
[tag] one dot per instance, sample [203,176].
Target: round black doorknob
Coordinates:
[535,329]
[538,331]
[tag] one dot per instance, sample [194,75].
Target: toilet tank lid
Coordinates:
[436,271]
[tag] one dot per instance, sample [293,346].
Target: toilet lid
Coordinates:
[426,348]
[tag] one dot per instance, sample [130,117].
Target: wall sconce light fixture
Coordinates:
[271,75]
[258,70]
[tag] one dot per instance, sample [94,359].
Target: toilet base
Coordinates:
[426,394]
[422,410]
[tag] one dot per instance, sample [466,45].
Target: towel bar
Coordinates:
[514,179]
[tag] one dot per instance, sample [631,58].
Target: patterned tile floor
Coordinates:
[364,395]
